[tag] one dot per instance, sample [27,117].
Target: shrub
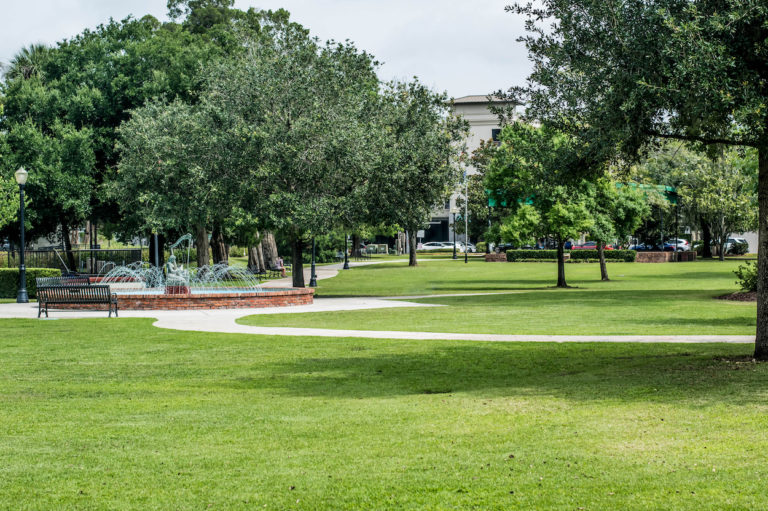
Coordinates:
[520,254]
[9,280]
[576,255]
[627,256]
[747,276]
[480,246]
[738,249]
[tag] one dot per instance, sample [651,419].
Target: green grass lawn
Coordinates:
[646,299]
[117,414]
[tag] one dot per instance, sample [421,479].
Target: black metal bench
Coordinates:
[75,295]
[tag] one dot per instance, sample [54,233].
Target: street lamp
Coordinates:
[21,178]
[454,210]
[466,218]
[346,254]
[313,277]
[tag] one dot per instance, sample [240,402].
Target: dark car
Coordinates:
[590,245]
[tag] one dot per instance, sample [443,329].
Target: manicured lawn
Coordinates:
[100,414]
[641,299]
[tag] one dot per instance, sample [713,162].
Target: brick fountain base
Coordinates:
[222,300]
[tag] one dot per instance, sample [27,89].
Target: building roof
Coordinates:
[466,100]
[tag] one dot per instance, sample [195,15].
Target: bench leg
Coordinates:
[39,309]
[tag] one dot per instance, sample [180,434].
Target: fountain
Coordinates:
[142,286]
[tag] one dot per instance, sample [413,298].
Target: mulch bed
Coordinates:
[749,296]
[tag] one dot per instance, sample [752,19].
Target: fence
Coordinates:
[87,261]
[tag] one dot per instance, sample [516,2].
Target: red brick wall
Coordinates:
[280,298]
[496,258]
[655,257]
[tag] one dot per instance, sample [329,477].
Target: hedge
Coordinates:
[627,256]
[615,255]
[9,280]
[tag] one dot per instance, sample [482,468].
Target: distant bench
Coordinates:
[63,281]
[75,295]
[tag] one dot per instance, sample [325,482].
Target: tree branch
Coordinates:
[703,140]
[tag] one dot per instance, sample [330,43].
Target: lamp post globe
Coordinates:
[22,296]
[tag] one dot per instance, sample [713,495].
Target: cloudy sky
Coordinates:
[460,46]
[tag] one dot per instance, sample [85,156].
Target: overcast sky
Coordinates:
[460,46]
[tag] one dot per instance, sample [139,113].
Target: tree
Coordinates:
[617,212]
[723,194]
[539,167]
[175,174]
[9,204]
[417,159]
[635,72]
[28,63]
[307,107]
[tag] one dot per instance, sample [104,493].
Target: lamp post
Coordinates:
[466,218]
[346,255]
[22,296]
[313,277]
[453,228]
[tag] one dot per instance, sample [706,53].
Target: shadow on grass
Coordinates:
[696,375]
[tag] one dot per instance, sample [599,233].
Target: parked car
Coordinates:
[590,245]
[676,245]
[434,245]
[731,246]
[460,247]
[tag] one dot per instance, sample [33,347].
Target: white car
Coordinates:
[435,245]
[730,242]
[681,244]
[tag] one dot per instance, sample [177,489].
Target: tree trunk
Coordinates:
[218,247]
[269,249]
[601,257]
[260,255]
[761,340]
[253,258]
[721,250]
[298,262]
[201,242]
[160,249]
[355,245]
[706,240]
[412,248]
[68,247]
[561,263]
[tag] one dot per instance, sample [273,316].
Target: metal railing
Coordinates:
[91,262]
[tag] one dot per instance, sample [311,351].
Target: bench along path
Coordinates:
[224,321]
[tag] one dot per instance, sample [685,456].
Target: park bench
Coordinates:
[276,273]
[75,295]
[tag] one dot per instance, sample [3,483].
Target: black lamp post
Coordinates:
[346,255]
[313,277]
[22,296]
[454,235]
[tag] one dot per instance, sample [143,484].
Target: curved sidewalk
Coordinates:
[225,321]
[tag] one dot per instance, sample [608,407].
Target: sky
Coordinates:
[460,46]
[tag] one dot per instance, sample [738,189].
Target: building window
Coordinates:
[495,134]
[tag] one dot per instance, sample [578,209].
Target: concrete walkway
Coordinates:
[224,321]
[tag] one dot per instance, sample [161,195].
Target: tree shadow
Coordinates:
[697,375]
